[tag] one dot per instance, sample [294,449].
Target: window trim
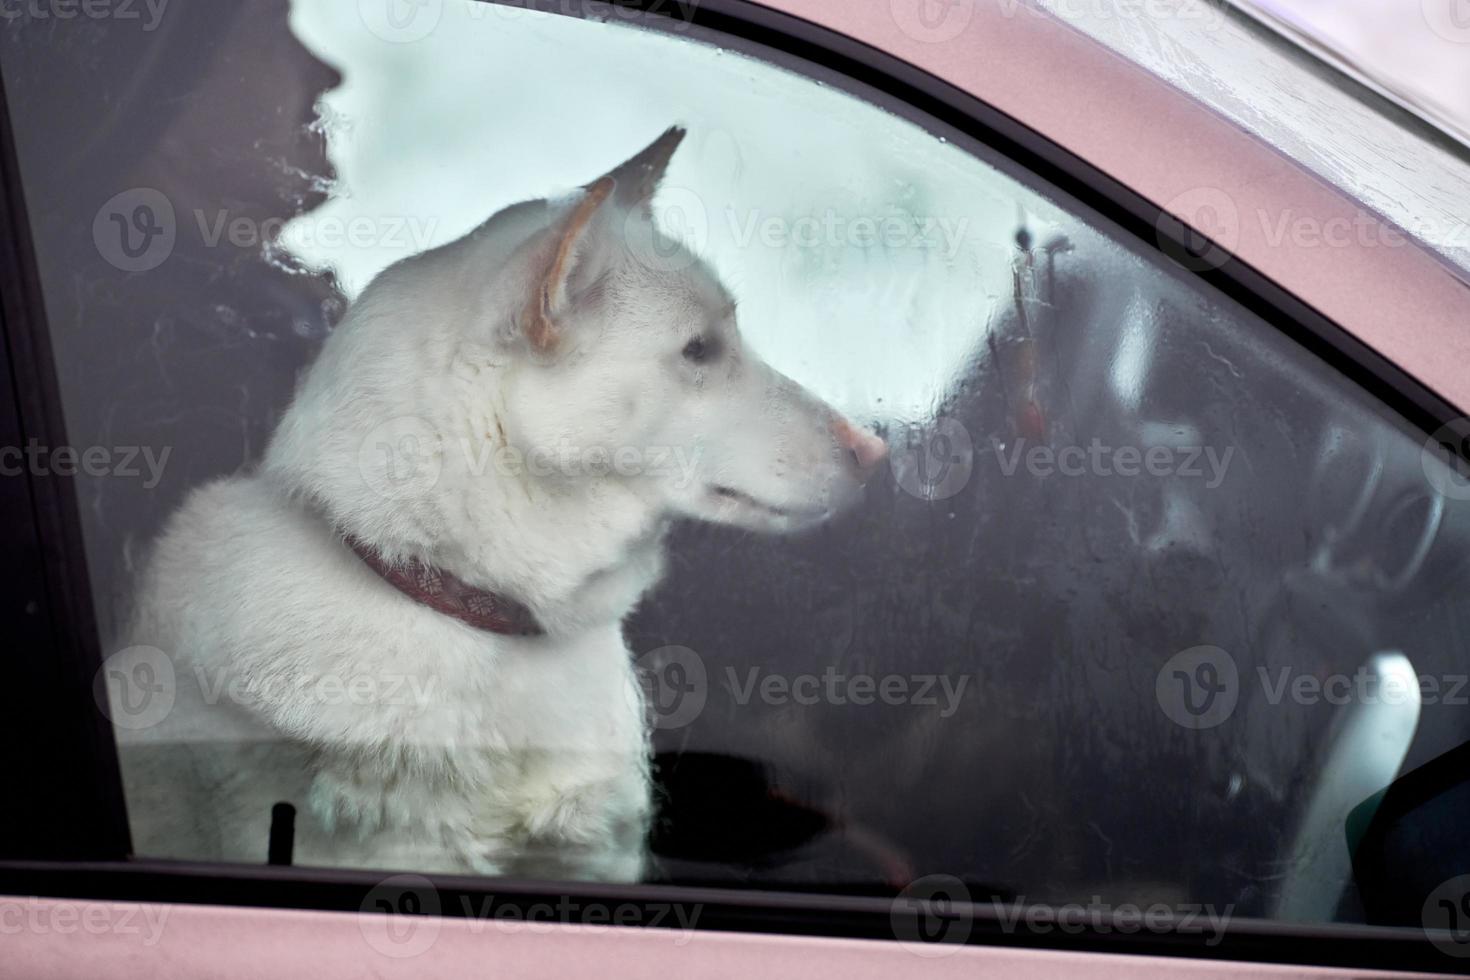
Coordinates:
[720,910]
[71,773]
[84,827]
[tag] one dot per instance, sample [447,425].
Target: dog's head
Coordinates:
[568,344]
[628,353]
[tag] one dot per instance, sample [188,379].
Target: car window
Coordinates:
[1145,599]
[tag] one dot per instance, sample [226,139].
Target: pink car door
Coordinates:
[1144,656]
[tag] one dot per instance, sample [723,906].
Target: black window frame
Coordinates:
[65,833]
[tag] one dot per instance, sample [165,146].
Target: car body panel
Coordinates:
[1399,299]
[63,939]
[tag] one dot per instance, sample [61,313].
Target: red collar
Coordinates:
[443,593]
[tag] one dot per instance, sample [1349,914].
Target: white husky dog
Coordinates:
[407,622]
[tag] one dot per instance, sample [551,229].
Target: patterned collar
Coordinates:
[444,593]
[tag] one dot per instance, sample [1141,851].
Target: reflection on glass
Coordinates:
[1091,630]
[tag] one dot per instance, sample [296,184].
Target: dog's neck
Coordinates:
[578,555]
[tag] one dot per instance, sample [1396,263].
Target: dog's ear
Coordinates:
[551,287]
[638,178]
[572,256]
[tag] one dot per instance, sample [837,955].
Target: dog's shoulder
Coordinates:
[237,564]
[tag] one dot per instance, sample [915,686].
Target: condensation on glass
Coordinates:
[1068,645]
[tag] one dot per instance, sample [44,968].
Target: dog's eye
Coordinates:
[697,350]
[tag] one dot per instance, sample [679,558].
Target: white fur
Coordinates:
[466,750]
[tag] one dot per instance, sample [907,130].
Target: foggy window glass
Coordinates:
[1142,601]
